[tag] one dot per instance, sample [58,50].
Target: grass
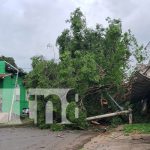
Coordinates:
[137,128]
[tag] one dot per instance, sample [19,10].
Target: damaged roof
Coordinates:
[141,83]
[2,76]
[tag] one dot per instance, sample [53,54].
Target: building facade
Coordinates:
[12,90]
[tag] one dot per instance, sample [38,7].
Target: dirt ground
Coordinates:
[36,139]
[118,141]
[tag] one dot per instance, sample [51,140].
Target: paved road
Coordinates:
[36,139]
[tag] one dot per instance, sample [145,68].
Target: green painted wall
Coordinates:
[7,86]
[2,67]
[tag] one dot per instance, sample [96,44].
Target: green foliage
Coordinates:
[127,105]
[56,127]
[79,122]
[137,128]
[42,107]
[80,72]
[41,113]
[44,73]
[92,104]
[115,121]
[90,58]
[100,56]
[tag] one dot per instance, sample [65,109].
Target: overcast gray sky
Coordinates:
[27,26]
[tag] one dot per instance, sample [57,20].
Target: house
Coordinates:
[12,100]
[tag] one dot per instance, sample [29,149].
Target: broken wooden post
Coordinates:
[110,115]
[113,114]
[130,116]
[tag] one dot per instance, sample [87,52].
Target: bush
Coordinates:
[116,121]
[79,122]
[56,127]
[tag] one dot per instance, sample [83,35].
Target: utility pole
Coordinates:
[13,98]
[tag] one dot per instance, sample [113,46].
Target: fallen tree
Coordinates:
[89,59]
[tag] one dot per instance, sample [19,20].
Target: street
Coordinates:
[36,139]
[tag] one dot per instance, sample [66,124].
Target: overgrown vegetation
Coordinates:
[137,128]
[89,59]
[115,121]
[79,122]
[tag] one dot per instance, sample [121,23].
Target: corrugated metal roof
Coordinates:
[141,84]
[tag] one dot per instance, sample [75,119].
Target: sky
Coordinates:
[28,26]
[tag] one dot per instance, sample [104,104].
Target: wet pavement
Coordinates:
[36,139]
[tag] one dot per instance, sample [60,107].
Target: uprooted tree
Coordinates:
[90,58]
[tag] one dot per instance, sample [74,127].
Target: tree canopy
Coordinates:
[90,57]
[93,57]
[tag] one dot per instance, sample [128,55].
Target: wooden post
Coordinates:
[108,115]
[130,116]
[129,112]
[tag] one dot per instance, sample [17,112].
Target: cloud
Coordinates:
[27,26]
[134,15]
[121,8]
